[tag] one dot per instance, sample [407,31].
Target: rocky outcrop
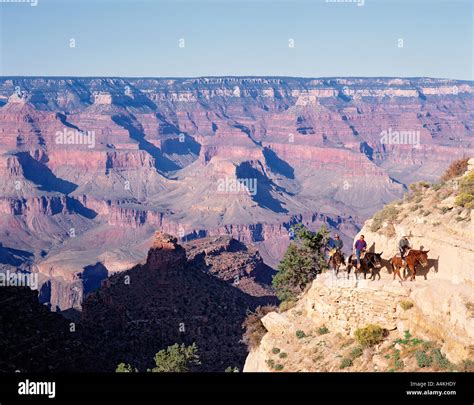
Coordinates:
[319,331]
[165,301]
[435,312]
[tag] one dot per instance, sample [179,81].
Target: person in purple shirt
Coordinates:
[359,246]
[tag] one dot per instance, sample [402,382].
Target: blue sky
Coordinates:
[237,37]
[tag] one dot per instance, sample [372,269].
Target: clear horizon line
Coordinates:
[231,76]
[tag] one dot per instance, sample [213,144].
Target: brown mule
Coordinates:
[413,258]
[337,260]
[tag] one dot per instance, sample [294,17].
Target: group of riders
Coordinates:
[360,256]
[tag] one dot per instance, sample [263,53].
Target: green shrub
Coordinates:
[406,305]
[176,359]
[323,330]
[423,359]
[270,363]
[275,350]
[388,214]
[279,367]
[346,362]
[283,355]
[356,352]
[440,359]
[300,334]
[370,335]
[231,369]
[125,368]
[301,263]
[465,198]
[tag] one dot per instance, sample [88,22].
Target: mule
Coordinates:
[413,258]
[337,260]
[370,262]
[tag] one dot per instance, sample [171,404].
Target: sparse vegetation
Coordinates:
[388,214]
[440,359]
[231,369]
[300,334]
[356,352]
[279,367]
[465,198]
[370,335]
[345,362]
[423,359]
[467,366]
[287,305]
[270,363]
[323,330]
[176,359]
[455,169]
[125,368]
[444,210]
[301,263]
[254,329]
[406,305]
[409,340]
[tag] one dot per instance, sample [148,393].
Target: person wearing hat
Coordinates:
[403,247]
[336,245]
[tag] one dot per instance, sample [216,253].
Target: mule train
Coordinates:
[373,263]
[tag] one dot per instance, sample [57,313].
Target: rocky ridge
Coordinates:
[433,313]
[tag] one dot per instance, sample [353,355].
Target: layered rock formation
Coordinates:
[90,167]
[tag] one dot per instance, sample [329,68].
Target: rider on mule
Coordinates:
[404,247]
[336,245]
[359,247]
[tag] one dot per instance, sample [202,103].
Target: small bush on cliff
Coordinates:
[455,169]
[370,335]
[465,198]
[125,368]
[345,362]
[302,261]
[300,334]
[356,352]
[423,359]
[254,329]
[406,305]
[176,359]
[388,214]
